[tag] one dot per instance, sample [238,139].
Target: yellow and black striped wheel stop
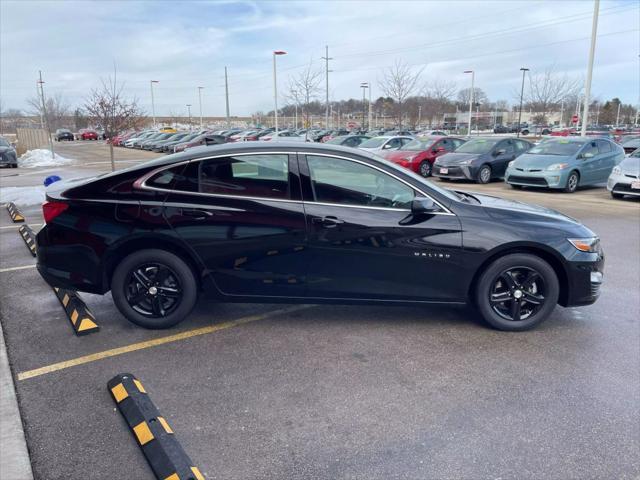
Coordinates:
[152,432]
[15,214]
[81,318]
[29,238]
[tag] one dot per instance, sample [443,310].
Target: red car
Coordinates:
[88,135]
[419,154]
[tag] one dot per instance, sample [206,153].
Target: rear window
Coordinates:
[480,145]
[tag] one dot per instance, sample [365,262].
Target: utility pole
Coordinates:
[226,96]
[618,115]
[524,71]
[41,115]
[326,58]
[419,116]
[44,112]
[153,105]
[189,110]
[295,98]
[471,94]
[200,102]
[275,91]
[369,117]
[364,86]
[562,113]
[592,51]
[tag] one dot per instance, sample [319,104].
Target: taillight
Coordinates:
[51,210]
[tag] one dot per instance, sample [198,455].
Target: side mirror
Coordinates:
[387,146]
[587,155]
[422,205]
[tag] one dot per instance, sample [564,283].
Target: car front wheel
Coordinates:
[154,288]
[425,168]
[484,174]
[517,292]
[572,182]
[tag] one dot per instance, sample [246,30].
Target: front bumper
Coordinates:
[466,172]
[542,178]
[621,184]
[585,275]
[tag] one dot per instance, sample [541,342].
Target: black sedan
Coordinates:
[63,134]
[8,155]
[308,223]
[480,159]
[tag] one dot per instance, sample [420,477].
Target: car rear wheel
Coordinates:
[517,292]
[572,182]
[425,168]
[484,174]
[154,288]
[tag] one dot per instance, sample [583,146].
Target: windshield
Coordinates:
[562,147]
[374,142]
[419,144]
[479,145]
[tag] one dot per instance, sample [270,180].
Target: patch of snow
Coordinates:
[22,195]
[41,158]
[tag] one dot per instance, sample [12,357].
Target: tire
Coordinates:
[532,280]
[516,187]
[424,169]
[617,195]
[572,182]
[484,174]
[135,277]
[525,132]
[14,165]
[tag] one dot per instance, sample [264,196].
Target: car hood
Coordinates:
[534,161]
[630,166]
[455,158]
[397,155]
[496,205]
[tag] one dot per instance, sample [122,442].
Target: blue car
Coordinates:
[565,163]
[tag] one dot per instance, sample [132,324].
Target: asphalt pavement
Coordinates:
[336,392]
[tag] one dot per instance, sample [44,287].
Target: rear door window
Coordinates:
[604,146]
[264,176]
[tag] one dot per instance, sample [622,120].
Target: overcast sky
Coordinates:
[184,45]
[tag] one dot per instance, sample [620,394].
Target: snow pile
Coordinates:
[22,195]
[41,158]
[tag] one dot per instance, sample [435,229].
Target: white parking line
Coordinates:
[19,225]
[13,269]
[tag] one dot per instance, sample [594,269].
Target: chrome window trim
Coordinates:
[143,183]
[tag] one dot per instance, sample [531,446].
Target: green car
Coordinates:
[565,163]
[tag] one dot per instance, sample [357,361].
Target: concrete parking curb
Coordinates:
[152,432]
[14,456]
[29,238]
[15,214]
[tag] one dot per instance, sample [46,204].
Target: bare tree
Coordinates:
[304,88]
[399,82]
[57,110]
[109,109]
[478,97]
[546,90]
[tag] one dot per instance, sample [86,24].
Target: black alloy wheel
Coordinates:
[154,288]
[425,168]
[517,292]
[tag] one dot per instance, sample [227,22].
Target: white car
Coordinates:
[625,177]
[142,136]
[386,142]
[287,135]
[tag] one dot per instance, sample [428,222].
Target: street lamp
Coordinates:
[295,101]
[275,90]
[524,72]
[200,102]
[189,110]
[471,94]
[153,105]
[364,86]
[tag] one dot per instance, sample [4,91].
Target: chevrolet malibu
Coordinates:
[565,163]
[294,222]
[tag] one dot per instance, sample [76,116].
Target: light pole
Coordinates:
[44,114]
[295,99]
[200,102]
[364,86]
[326,58]
[562,113]
[524,72]
[275,90]
[618,115]
[471,92]
[189,110]
[587,85]
[153,104]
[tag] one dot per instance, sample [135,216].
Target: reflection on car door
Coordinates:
[589,166]
[358,246]
[243,218]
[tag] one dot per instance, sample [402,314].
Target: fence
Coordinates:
[31,138]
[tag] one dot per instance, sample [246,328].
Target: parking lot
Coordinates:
[345,392]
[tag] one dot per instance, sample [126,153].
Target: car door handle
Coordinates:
[327,222]
[196,213]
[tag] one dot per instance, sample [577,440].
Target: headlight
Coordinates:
[510,164]
[616,170]
[465,162]
[557,166]
[590,245]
